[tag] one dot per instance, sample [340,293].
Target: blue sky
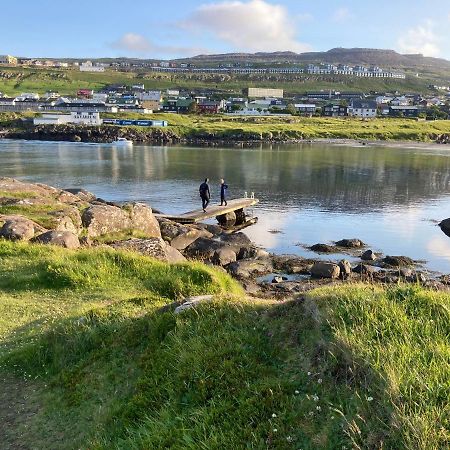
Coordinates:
[168,29]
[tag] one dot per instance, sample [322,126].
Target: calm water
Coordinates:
[388,197]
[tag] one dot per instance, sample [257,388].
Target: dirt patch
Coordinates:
[18,406]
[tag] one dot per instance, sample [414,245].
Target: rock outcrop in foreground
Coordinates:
[76,218]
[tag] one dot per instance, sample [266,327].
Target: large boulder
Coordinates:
[106,219]
[236,239]
[170,230]
[183,240]
[18,229]
[142,219]
[346,268]
[154,247]
[325,270]
[445,226]
[224,256]
[82,194]
[364,269]
[64,239]
[204,248]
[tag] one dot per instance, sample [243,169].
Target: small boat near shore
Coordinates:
[122,142]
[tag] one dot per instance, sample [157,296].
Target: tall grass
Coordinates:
[354,366]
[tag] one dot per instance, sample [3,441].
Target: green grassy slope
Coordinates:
[84,336]
[14,80]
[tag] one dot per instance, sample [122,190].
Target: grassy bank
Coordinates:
[290,128]
[86,343]
[225,128]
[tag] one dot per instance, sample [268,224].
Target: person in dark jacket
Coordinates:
[223,191]
[205,195]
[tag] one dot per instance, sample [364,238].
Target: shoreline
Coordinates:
[349,142]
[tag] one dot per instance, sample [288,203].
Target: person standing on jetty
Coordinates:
[205,195]
[223,189]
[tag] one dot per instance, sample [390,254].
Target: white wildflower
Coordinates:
[369,399]
[274,415]
[315,398]
[275,430]
[318,408]
[319,380]
[296,392]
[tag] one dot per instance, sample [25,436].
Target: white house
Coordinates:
[78,118]
[363,108]
[27,96]
[89,67]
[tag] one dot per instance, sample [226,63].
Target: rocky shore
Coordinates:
[75,218]
[164,136]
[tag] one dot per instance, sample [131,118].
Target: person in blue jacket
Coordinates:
[205,195]
[223,190]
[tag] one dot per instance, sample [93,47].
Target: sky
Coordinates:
[174,29]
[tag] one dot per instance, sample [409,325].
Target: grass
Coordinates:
[83,333]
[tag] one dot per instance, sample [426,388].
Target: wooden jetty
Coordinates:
[222,213]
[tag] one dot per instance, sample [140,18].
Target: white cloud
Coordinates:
[135,43]
[420,39]
[342,15]
[140,45]
[254,25]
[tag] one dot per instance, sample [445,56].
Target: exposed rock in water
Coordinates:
[323,248]
[350,243]
[325,270]
[369,255]
[247,268]
[398,261]
[154,247]
[64,239]
[251,253]
[445,226]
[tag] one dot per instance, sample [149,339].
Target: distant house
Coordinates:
[332,110]
[8,59]
[363,108]
[305,109]
[78,117]
[263,92]
[211,106]
[89,67]
[85,93]
[403,111]
[177,105]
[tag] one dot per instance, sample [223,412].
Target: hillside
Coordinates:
[352,56]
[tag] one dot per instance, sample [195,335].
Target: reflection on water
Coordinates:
[311,193]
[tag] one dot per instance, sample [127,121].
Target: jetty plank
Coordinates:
[211,211]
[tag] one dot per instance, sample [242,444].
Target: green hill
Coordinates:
[92,357]
[15,80]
